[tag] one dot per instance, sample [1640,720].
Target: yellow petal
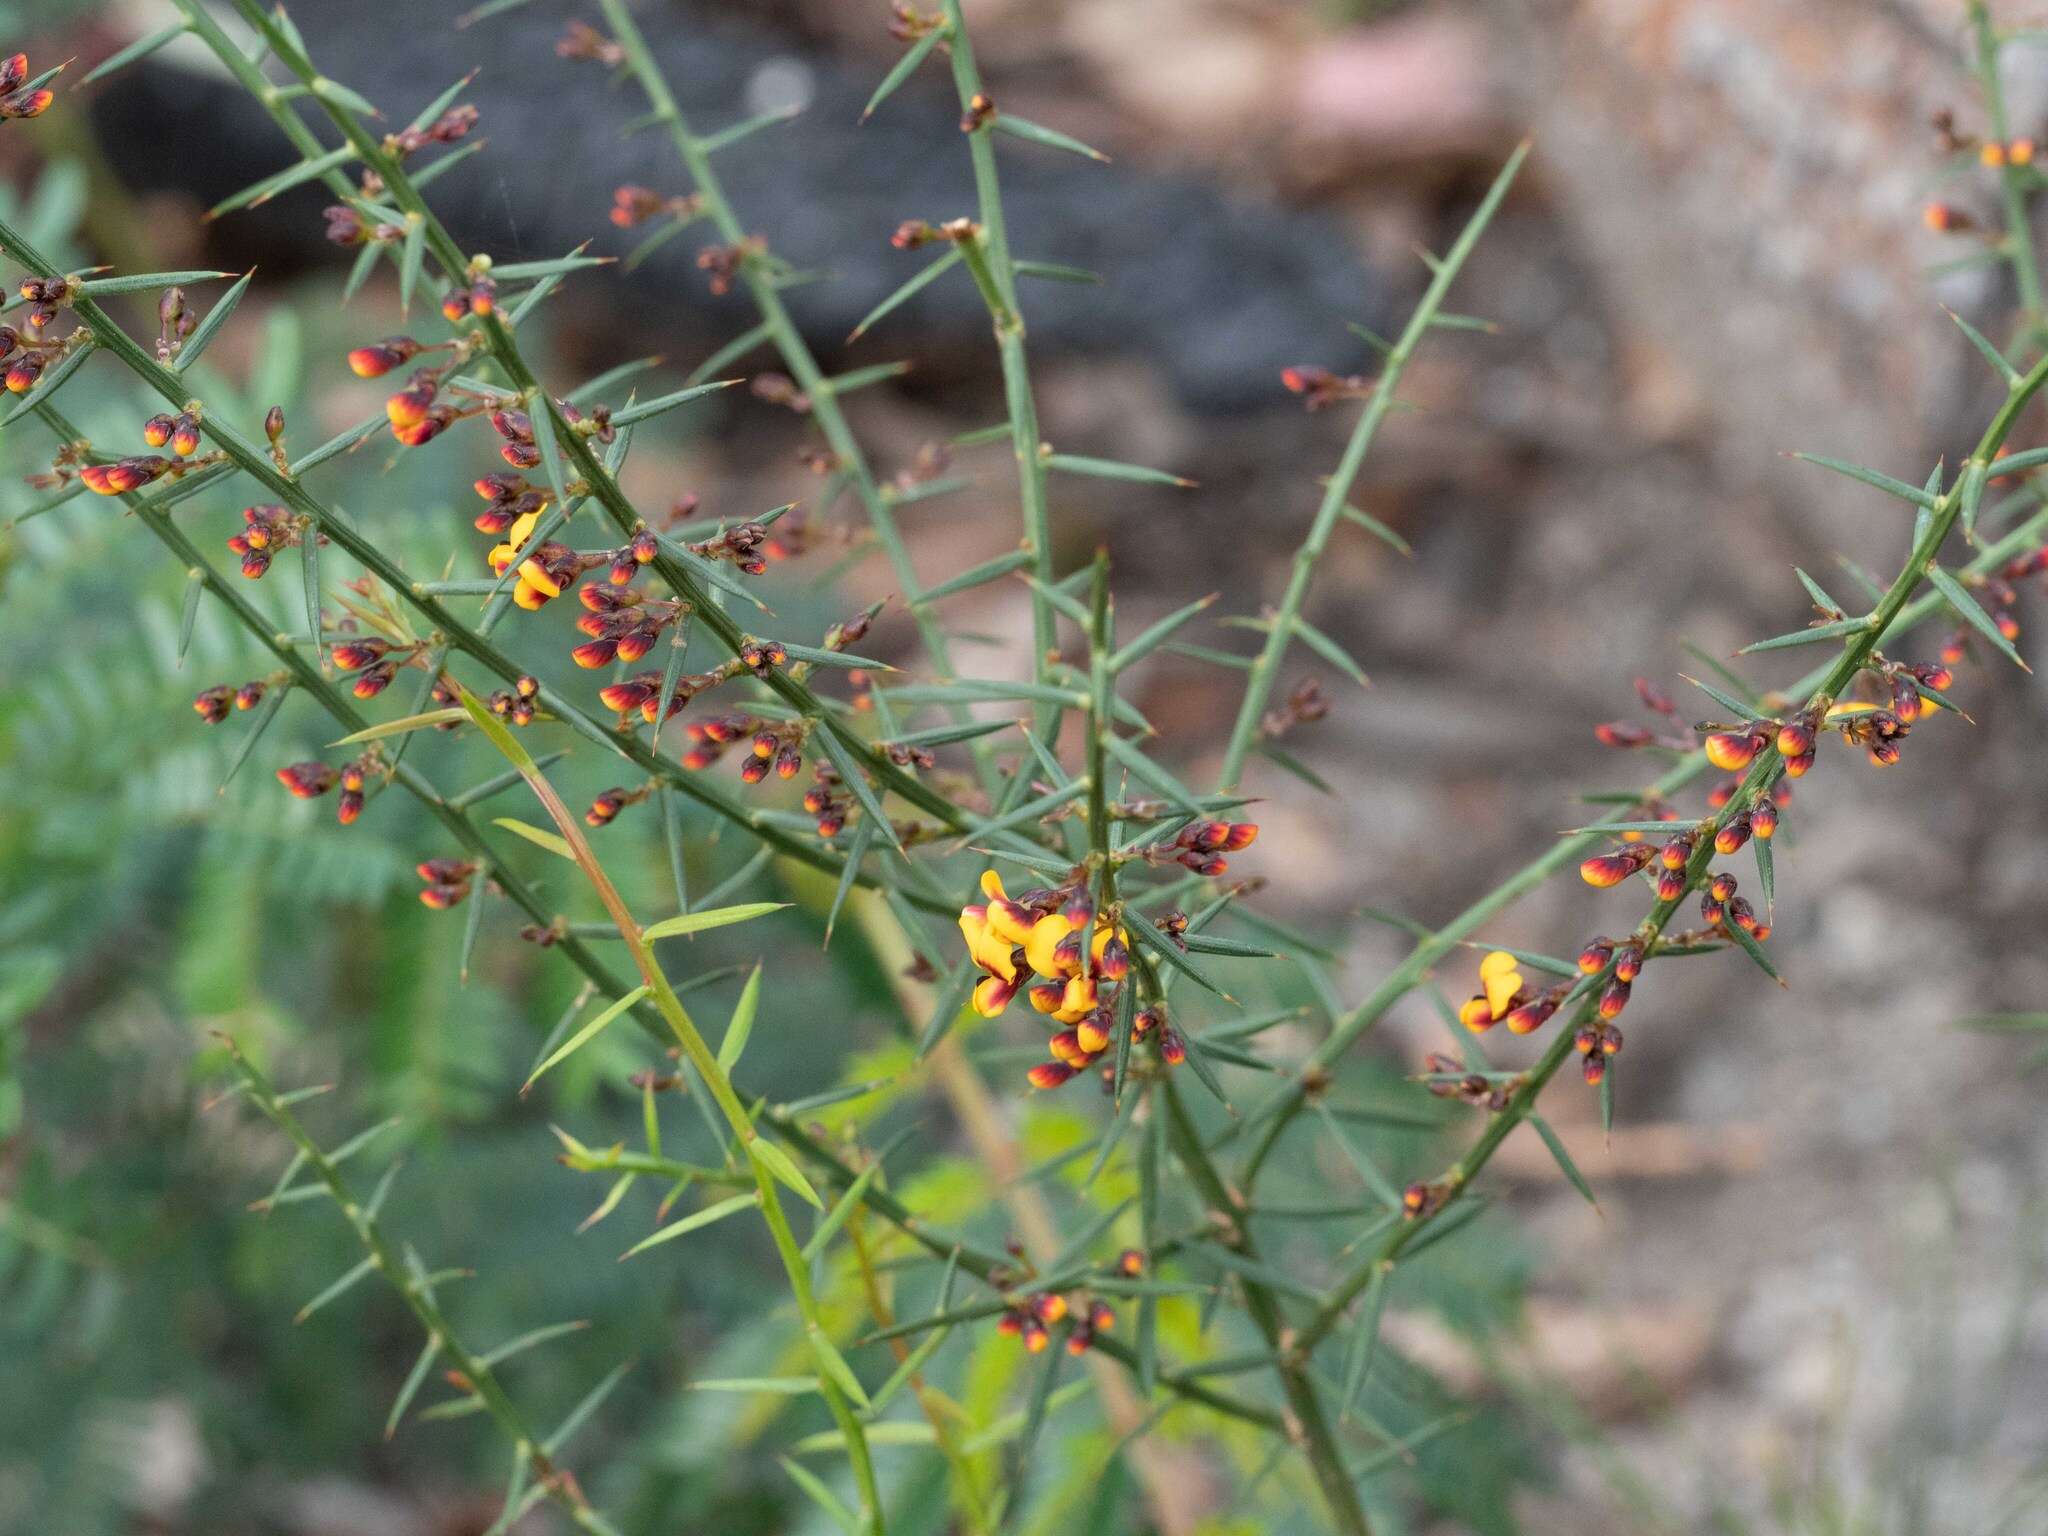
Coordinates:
[534,574]
[1009,922]
[1043,939]
[992,996]
[1500,980]
[992,886]
[522,528]
[1077,1002]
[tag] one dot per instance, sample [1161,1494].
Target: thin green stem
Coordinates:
[2014,181]
[1020,402]
[719,1084]
[1281,623]
[419,1300]
[1897,605]
[1307,1425]
[1275,1112]
[603,487]
[796,355]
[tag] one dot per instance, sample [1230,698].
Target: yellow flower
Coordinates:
[1500,979]
[1041,942]
[1500,983]
[502,555]
[992,995]
[986,951]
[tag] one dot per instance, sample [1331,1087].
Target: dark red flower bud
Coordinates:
[308,780]
[1613,999]
[1733,833]
[249,695]
[374,680]
[1606,869]
[1619,733]
[351,654]
[158,429]
[1594,958]
[1049,1074]
[121,476]
[1732,751]
[213,703]
[379,358]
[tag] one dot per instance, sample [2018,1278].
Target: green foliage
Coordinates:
[526,1096]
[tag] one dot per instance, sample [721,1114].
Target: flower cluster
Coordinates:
[17,97]
[1033,1318]
[1078,954]
[213,703]
[446,882]
[266,530]
[312,779]
[374,661]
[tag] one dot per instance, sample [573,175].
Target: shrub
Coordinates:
[1094,889]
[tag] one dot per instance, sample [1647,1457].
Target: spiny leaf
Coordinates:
[716,917]
[540,839]
[835,1366]
[1812,635]
[1991,354]
[283,181]
[1741,709]
[1054,272]
[139,49]
[690,1223]
[583,1037]
[401,726]
[1565,1164]
[725,138]
[904,68]
[1755,951]
[742,1022]
[588,1404]
[861,378]
[215,318]
[1330,651]
[1883,482]
[338,1288]
[815,1490]
[783,1169]
[1154,635]
[903,295]
[730,353]
[1364,1340]
[849,873]
[1378,530]
[514,271]
[1051,138]
[669,402]
[99,287]
[975,575]
[265,713]
[774,1386]
[1112,469]
[1959,598]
